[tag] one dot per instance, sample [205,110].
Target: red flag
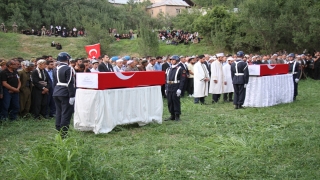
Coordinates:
[93,51]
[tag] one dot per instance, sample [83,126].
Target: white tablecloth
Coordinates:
[269,90]
[101,110]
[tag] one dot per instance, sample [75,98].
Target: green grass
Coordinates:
[19,45]
[211,142]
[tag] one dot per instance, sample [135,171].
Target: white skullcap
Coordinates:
[230,59]
[119,60]
[129,62]
[220,55]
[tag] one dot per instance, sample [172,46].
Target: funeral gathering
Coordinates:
[159,89]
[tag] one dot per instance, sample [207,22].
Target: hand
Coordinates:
[16,90]
[215,81]
[206,79]
[245,85]
[71,100]
[296,80]
[178,92]
[225,83]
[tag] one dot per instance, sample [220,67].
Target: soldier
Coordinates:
[295,70]
[14,27]
[174,83]
[26,87]
[43,31]
[64,93]
[240,79]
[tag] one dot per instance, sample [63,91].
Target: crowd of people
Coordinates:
[55,31]
[176,37]
[27,85]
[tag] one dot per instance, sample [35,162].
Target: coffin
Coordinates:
[268,69]
[110,80]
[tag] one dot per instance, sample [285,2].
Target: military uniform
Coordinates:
[175,78]
[240,78]
[25,92]
[295,70]
[63,95]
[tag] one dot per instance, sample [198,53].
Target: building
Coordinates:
[167,7]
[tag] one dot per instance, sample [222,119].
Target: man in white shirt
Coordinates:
[228,86]
[150,66]
[201,79]
[95,64]
[217,79]
[118,66]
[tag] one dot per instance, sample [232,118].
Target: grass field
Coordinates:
[211,142]
[19,45]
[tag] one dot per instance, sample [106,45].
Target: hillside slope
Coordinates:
[19,45]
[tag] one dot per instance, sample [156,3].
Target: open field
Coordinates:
[211,142]
[19,45]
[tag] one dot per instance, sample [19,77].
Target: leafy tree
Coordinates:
[148,43]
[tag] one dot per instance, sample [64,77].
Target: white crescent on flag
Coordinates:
[93,50]
[271,67]
[122,76]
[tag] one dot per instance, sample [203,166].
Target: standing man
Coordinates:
[51,107]
[3,27]
[185,71]
[105,66]
[201,79]
[118,66]
[26,87]
[174,83]
[158,64]
[150,66]
[217,79]
[43,31]
[295,70]
[164,68]
[190,88]
[64,93]
[40,90]
[14,27]
[11,87]
[228,87]
[240,79]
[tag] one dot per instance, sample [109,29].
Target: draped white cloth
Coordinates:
[227,78]
[269,90]
[216,74]
[101,110]
[200,86]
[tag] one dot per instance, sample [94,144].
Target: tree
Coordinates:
[148,43]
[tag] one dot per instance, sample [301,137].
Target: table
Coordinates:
[101,110]
[267,91]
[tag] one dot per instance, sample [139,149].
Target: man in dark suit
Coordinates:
[40,90]
[105,66]
[185,71]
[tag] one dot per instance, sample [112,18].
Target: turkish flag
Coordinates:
[93,51]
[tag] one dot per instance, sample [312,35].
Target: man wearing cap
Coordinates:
[118,67]
[40,90]
[105,66]
[240,79]
[174,83]
[217,79]
[295,70]
[131,66]
[26,87]
[150,66]
[228,86]
[201,79]
[185,71]
[95,64]
[64,93]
